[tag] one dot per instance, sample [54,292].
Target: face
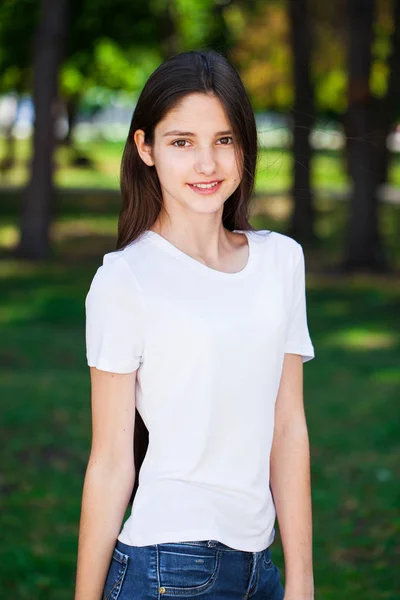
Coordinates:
[194,145]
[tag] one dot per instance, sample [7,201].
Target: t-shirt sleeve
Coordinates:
[114,319]
[298,339]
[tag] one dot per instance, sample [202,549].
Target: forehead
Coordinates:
[197,113]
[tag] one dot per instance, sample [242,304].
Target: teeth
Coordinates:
[205,185]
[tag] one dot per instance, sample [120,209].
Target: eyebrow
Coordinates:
[176,132]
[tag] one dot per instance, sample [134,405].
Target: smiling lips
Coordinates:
[205,188]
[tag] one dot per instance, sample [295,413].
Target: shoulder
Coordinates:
[119,265]
[113,271]
[284,246]
[115,276]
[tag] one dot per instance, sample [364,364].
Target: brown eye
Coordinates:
[227,138]
[177,142]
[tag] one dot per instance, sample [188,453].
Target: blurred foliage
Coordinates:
[111,45]
[262,52]
[192,19]
[383,26]
[18,20]
[117,45]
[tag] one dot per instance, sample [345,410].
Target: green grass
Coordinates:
[351,399]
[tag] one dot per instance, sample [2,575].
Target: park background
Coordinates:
[324,81]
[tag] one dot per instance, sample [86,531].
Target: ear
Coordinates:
[144,150]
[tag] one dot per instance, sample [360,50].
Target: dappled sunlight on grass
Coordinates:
[17,312]
[9,236]
[362,340]
[19,270]
[72,237]
[276,208]
[336,308]
[68,227]
[390,375]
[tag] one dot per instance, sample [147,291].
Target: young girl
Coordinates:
[196,332]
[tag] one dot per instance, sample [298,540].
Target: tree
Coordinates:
[38,197]
[303,115]
[363,244]
[85,55]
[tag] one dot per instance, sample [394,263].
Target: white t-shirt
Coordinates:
[209,349]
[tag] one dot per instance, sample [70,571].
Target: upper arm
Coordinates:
[298,348]
[298,340]
[113,418]
[114,319]
[114,348]
[289,406]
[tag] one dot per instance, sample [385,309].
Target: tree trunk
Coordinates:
[37,201]
[363,251]
[166,23]
[71,109]
[302,224]
[220,38]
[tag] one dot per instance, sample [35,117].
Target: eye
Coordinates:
[226,141]
[227,138]
[177,142]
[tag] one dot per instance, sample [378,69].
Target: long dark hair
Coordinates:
[207,72]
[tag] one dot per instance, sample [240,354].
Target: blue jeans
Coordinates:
[206,569]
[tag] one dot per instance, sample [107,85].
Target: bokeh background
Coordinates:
[324,80]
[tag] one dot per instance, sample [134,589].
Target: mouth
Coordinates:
[206,188]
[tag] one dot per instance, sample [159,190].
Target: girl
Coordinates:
[196,332]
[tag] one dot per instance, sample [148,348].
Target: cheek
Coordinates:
[172,165]
[231,167]
[229,162]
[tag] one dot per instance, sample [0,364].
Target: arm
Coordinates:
[109,478]
[290,481]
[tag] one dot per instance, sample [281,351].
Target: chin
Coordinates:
[208,208]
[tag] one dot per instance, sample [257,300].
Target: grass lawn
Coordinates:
[351,399]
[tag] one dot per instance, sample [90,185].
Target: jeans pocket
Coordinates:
[267,560]
[115,575]
[187,569]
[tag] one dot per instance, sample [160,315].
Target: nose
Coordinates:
[205,161]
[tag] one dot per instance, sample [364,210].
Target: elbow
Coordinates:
[291,429]
[110,469]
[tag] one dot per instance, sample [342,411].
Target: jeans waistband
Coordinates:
[203,543]
[216,544]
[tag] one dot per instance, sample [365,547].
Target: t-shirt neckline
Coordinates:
[170,248]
